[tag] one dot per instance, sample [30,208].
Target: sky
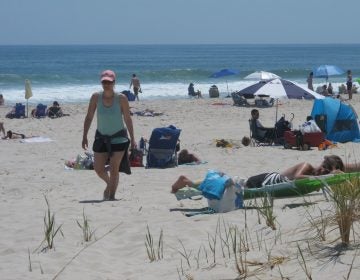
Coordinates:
[49,22]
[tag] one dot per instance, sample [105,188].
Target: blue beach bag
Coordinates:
[214,184]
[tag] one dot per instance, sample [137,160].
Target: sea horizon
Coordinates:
[69,73]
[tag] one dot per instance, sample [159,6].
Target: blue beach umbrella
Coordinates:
[224,73]
[324,71]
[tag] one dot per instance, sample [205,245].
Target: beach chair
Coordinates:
[40,111]
[162,148]
[256,138]
[239,100]
[19,111]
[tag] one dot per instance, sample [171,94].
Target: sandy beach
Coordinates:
[32,171]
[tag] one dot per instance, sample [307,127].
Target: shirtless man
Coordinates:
[330,164]
[135,82]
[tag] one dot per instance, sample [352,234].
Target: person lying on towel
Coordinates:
[185,157]
[330,164]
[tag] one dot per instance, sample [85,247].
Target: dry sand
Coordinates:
[31,171]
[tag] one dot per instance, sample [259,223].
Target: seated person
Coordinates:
[354,88]
[342,89]
[309,126]
[186,157]
[191,91]
[260,132]
[330,164]
[54,111]
[325,91]
[330,89]
[2,100]
[11,114]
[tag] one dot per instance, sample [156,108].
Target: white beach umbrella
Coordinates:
[280,88]
[261,76]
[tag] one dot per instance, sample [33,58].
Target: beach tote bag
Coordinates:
[214,184]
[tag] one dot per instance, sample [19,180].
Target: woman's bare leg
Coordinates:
[100,160]
[180,183]
[114,173]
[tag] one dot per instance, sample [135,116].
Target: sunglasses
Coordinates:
[107,82]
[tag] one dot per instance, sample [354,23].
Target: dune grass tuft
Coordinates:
[266,210]
[50,229]
[87,232]
[346,199]
[154,251]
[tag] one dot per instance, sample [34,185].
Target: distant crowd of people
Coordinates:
[327,90]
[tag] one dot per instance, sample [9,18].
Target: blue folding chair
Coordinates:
[162,151]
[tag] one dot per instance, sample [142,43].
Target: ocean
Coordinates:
[70,73]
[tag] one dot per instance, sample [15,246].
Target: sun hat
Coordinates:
[108,75]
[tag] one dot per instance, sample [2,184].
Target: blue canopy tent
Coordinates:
[336,119]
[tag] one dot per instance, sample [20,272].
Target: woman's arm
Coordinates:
[124,103]
[88,119]
[299,171]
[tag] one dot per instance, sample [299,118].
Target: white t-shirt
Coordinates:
[309,126]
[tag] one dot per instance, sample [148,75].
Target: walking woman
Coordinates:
[111,140]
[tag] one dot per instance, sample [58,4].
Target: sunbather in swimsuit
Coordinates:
[14,135]
[330,164]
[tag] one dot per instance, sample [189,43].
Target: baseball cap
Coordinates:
[108,75]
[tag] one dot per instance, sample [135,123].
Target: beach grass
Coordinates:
[50,229]
[87,232]
[154,251]
[346,201]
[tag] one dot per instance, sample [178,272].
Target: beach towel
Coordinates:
[194,163]
[38,139]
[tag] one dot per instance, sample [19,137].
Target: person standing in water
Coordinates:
[135,83]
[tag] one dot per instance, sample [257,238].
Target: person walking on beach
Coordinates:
[310,81]
[111,140]
[135,83]
[349,84]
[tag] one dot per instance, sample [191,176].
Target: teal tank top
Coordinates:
[110,119]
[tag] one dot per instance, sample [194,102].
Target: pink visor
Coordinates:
[108,75]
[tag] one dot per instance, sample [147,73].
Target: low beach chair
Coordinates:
[256,138]
[162,150]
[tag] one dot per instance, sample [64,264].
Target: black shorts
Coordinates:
[349,85]
[264,179]
[100,147]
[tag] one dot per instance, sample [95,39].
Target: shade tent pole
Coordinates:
[227,88]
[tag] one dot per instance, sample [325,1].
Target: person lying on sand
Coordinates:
[148,113]
[330,164]
[13,135]
[186,157]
